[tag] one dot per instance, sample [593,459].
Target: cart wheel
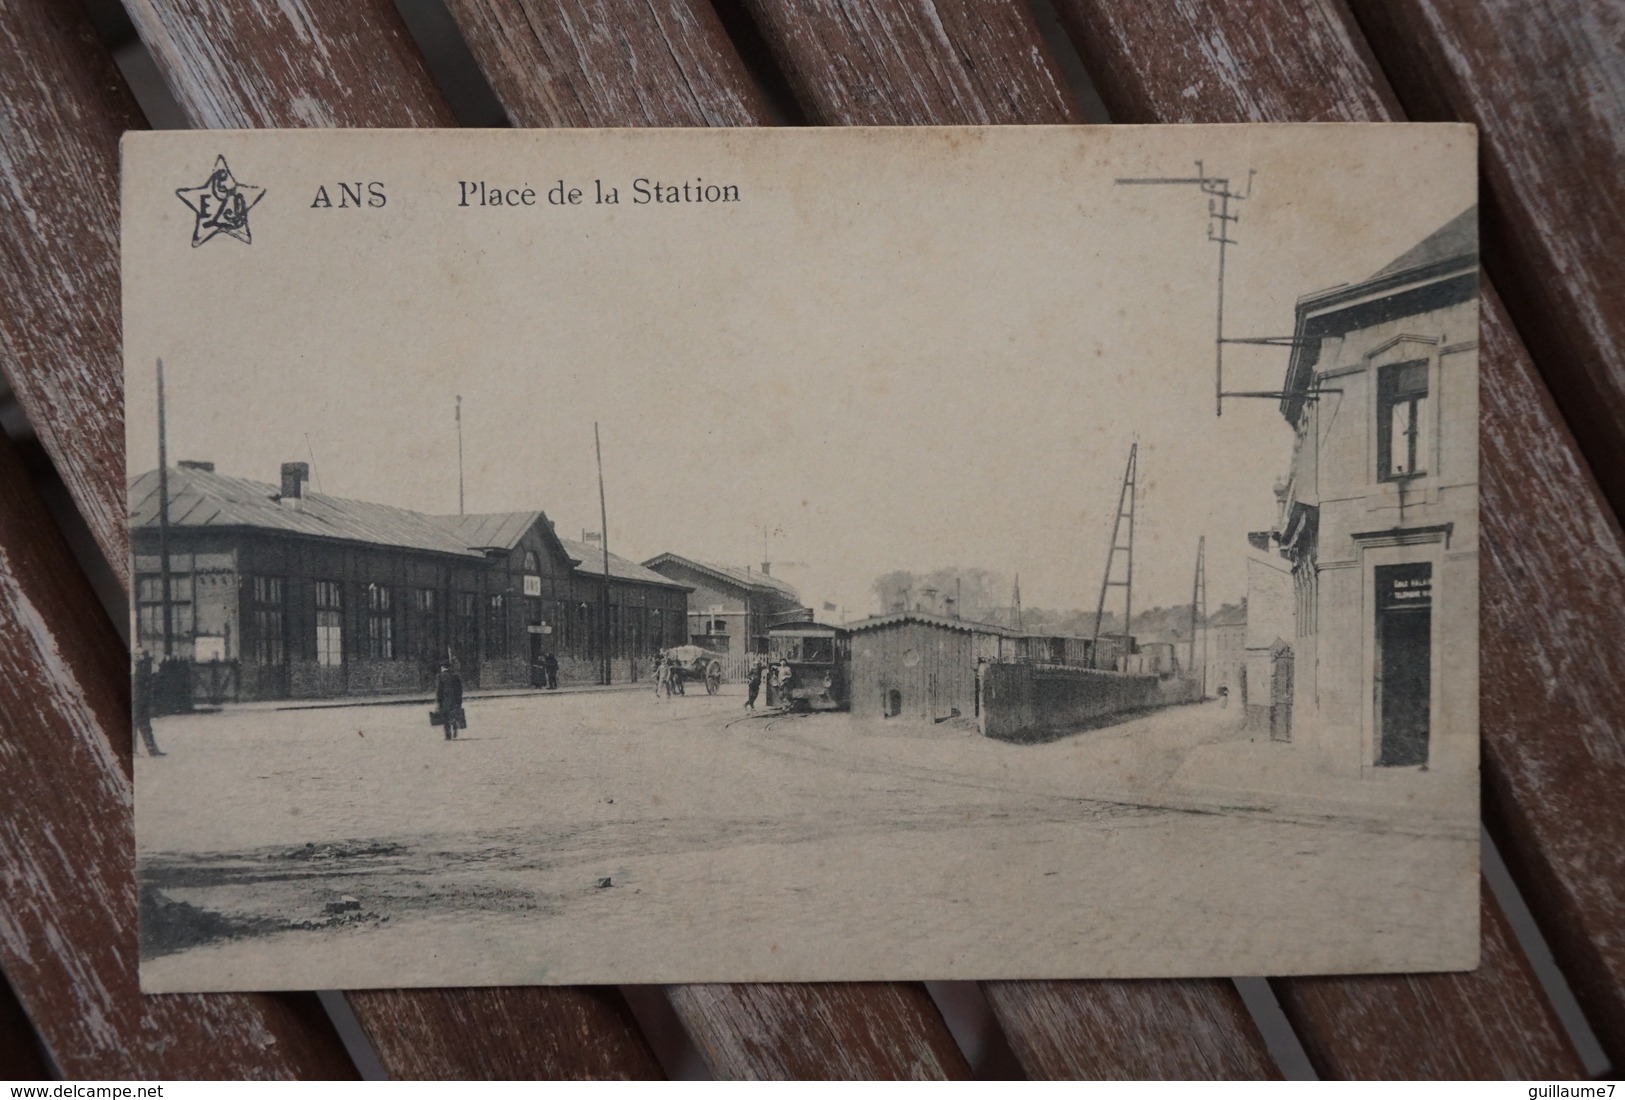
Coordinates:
[713,677]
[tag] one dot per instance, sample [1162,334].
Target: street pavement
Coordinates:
[619,836]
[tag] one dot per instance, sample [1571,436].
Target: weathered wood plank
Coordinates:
[292,63]
[609,63]
[1151,1030]
[1545,83]
[1199,61]
[1412,1026]
[584,1033]
[1553,688]
[837,1031]
[62,109]
[1553,556]
[914,62]
[67,843]
[20,1056]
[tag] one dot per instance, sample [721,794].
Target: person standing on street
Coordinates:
[141,702]
[551,664]
[753,682]
[448,697]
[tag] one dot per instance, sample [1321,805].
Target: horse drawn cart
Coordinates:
[695,663]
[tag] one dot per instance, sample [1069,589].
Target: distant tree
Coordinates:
[982,595]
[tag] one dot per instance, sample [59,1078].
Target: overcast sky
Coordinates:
[901,350]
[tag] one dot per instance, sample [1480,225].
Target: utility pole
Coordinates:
[603,519]
[459,454]
[1199,606]
[163,521]
[1015,599]
[1220,196]
[1125,510]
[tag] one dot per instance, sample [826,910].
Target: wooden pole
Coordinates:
[163,522]
[1198,601]
[603,540]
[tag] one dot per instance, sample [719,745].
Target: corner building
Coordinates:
[1379,514]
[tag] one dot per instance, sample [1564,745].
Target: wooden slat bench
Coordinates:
[1549,99]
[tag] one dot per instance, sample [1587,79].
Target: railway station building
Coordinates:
[730,608]
[277,592]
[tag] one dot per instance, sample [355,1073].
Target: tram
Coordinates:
[810,667]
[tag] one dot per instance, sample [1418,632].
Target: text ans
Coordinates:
[346,195]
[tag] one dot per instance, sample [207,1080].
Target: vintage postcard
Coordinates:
[669,556]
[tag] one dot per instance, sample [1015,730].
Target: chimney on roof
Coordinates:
[767,569]
[294,476]
[194,464]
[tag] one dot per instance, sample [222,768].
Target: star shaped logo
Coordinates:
[221,205]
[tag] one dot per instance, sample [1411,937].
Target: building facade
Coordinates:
[1379,516]
[730,609]
[277,592]
[1226,652]
[1268,659]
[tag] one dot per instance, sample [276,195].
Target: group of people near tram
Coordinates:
[759,669]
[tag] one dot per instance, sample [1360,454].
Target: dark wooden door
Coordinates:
[1404,654]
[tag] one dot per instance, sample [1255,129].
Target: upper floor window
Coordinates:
[530,561]
[1402,413]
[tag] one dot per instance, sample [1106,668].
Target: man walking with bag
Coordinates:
[448,698]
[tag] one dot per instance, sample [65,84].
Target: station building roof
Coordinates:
[591,557]
[728,574]
[203,498]
[200,497]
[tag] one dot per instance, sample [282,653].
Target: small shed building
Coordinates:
[918,665]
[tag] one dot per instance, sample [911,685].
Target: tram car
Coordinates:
[809,667]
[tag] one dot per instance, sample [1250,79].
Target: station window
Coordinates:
[1402,411]
[421,631]
[465,627]
[496,626]
[329,623]
[380,623]
[150,607]
[269,615]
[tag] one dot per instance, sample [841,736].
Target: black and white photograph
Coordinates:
[787,555]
